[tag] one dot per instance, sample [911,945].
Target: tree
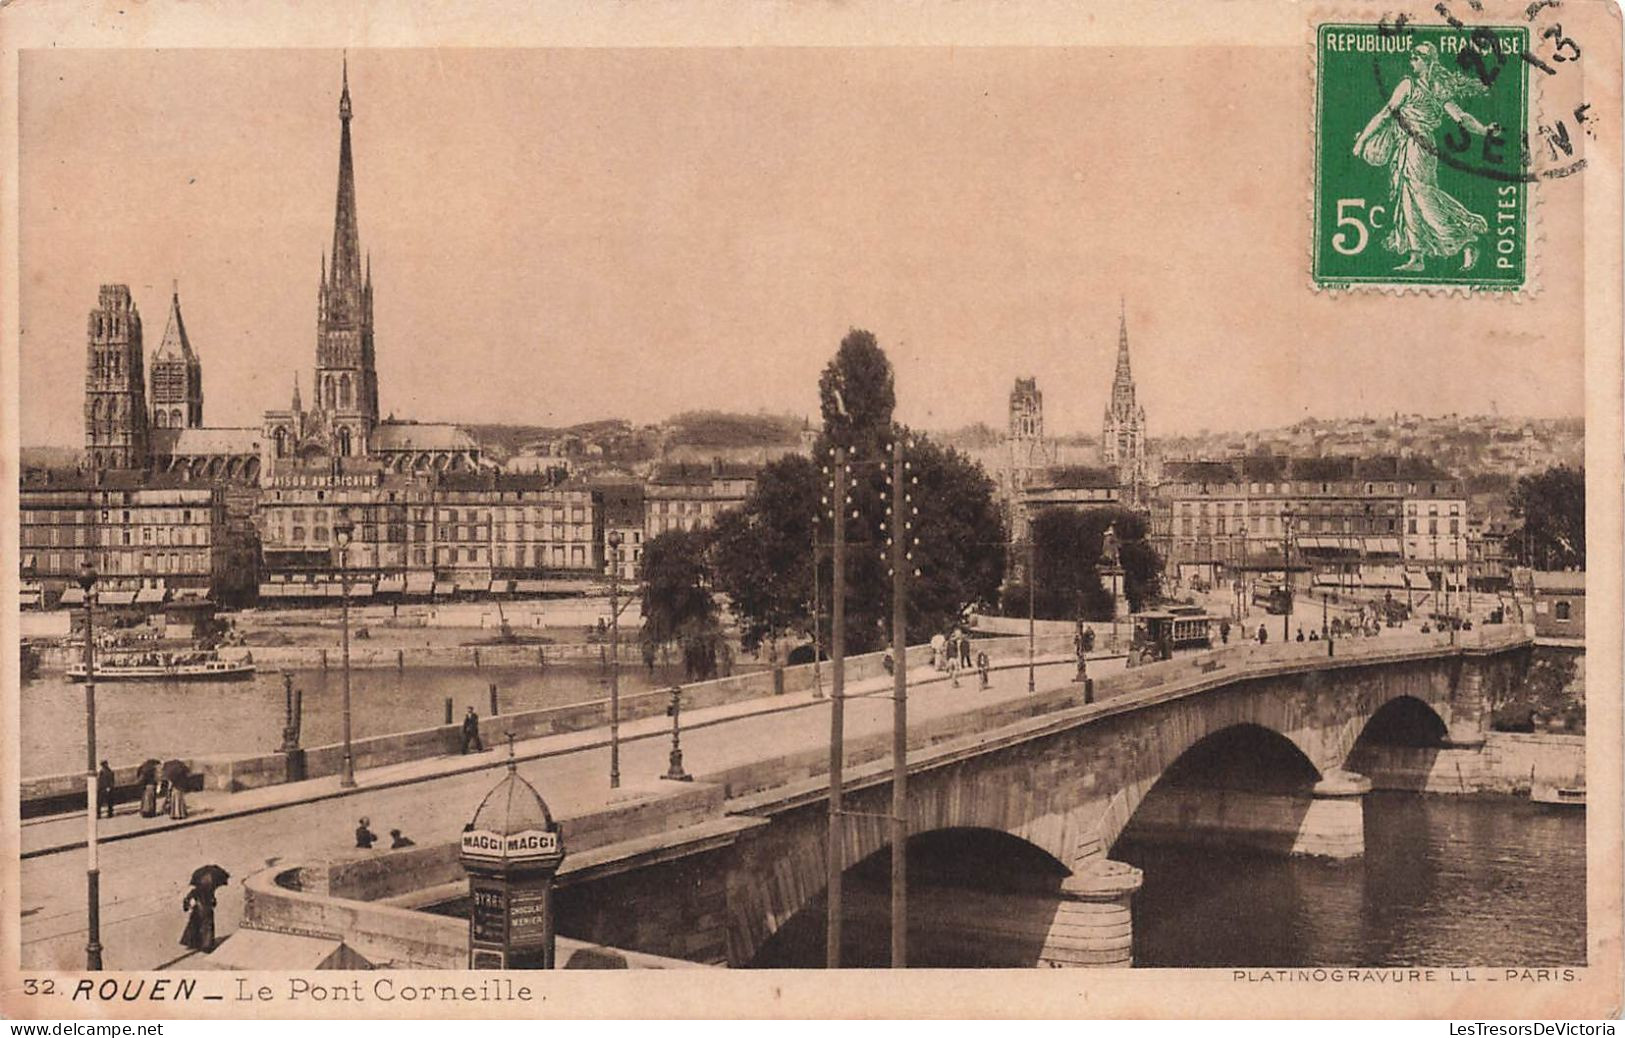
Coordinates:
[761,552]
[1546,690]
[957,538]
[1067,563]
[677,605]
[1550,509]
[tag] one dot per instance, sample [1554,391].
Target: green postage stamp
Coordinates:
[1421,158]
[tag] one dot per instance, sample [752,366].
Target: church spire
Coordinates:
[297,405]
[346,269]
[175,341]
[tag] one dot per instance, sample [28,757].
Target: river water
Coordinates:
[1445,881]
[140,719]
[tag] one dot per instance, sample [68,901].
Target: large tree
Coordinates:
[761,552]
[1067,560]
[761,555]
[678,609]
[1550,510]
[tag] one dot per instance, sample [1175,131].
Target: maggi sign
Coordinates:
[529,845]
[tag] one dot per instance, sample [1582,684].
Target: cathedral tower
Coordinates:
[115,384]
[1122,436]
[346,377]
[177,376]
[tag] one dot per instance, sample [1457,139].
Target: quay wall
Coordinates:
[232,772]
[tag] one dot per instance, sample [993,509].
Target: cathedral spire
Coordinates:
[175,341]
[298,406]
[346,268]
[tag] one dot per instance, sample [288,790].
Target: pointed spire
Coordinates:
[346,239]
[175,341]
[297,405]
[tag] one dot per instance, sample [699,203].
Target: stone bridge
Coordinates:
[1250,745]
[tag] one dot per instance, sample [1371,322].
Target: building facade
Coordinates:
[147,540]
[423,534]
[685,497]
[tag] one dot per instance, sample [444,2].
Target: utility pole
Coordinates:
[901,524]
[817,617]
[93,873]
[614,659]
[839,503]
[1032,581]
[1286,574]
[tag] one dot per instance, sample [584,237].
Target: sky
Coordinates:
[564,235]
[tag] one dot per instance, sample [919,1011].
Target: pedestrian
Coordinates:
[471,731]
[1263,635]
[937,644]
[147,778]
[964,650]
[397,840]
[1314,636]
[199,902]
[105,783]
[175,798]
[887,662]
[953,664]
[1300,635]
[982,668]
[365,837]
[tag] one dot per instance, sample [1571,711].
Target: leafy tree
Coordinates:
[677,605]
[1547,689]
[1067,562]
[761,552]
[957,537]
[1550,508]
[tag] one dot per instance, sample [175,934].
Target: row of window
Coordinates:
[70,563]
[1296,487]
[156,516]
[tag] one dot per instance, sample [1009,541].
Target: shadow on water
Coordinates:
[1445,881]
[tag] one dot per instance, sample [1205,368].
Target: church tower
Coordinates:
[177,376]
[1028,454]
[1122,436]
[115,384]
[346,378]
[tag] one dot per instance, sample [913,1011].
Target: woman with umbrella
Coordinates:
[176,776]
[147,779]
[199,901]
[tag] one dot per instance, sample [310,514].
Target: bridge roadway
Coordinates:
[145,863]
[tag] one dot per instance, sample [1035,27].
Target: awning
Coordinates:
[391,585]
[271,591]
[1388,546]
[28,596]
[74,595]
[196,593]
[149,595]
[442,587]
[419,583]
[360,591]
[116,598]
[530,587]
[500,587]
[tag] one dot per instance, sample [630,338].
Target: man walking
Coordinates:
[471,731]
[104,790]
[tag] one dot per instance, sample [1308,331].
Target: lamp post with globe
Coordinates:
[93,876]
[342,531]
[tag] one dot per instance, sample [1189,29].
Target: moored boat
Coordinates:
[1551,793]
[165,666]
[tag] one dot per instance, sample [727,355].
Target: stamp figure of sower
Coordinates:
[1427,220]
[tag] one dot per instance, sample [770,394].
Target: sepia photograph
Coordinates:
[807,494]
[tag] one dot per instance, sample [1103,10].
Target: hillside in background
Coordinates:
[723,429]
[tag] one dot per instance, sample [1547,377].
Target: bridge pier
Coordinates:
[1093,926]
[1325,820]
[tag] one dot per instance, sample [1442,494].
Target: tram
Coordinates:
[1159,633]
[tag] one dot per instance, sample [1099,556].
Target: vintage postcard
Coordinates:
[1040,510]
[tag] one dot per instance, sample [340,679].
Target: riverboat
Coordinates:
[1550,793]
[165,666]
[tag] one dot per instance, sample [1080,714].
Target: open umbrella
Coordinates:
[210,875]
[148,772]
[176,773]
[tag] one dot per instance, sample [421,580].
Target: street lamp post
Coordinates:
[93,875]
[1032,582]
[1286,573]
[342,530]
[614,659]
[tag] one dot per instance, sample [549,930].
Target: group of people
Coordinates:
[951,653]
[157,787]
[365,837]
